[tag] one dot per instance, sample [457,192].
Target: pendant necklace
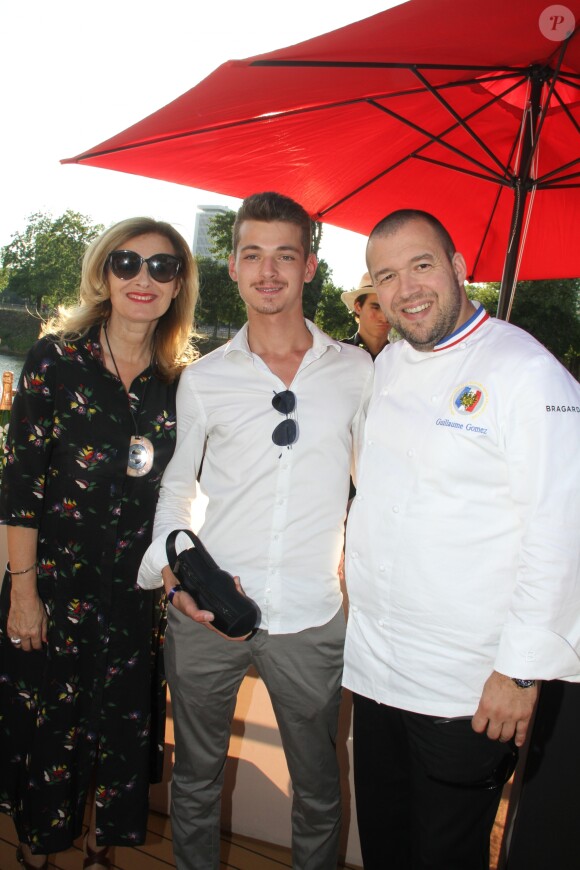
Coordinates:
[141,450]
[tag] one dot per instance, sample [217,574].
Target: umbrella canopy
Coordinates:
[468,110]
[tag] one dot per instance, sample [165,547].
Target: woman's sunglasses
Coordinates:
[127,264]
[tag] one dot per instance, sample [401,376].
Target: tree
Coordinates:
[220,232]
[487,294]
[43,263]
[548,310]
[332,315]
[219,300]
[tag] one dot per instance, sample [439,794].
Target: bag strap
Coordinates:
[172,555]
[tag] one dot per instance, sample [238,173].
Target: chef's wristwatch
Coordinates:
[523,684]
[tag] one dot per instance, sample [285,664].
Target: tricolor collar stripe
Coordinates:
[468,328]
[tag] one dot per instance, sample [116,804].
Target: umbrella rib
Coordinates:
[394,166]
[211,128]
[460,83]
[461,121]
[438,138]
[361,64]
[555,185]
[503,182]
[567,111]
[358,189]
[90,155]
[566,80]
[543,178]
[485,234]
[417,152]
[558,186]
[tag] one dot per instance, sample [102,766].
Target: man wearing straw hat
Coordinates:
[373,327]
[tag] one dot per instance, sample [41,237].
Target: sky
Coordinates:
[74,73]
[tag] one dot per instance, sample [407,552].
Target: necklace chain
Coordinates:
[141,450]
[133,417]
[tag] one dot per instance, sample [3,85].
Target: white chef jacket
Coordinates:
[463,544]
[275,515]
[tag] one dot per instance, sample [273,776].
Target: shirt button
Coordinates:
[433,398]
[381,567]
[276,537]
[381,622]
[410,452]
[354,554]
[384,392]
[395,508]
[268,590]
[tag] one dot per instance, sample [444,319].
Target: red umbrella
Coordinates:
[470,111]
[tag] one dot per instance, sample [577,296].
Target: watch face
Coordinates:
[524,684]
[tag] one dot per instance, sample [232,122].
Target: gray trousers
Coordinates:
[302,673]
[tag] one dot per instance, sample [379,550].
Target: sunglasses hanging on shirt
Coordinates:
[286,433]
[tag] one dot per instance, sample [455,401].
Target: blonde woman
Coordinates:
[92,429]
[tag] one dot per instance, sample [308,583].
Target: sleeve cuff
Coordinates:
[154,560]
[536,654]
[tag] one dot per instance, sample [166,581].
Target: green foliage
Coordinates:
[332,315]
[487,294]
[220,232]
[550,310]
[312,293]
[219,300]
[43,263]
[18,331]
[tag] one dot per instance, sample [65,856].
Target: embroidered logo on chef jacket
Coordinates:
[469,400]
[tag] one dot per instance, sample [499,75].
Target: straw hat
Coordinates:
[365,285]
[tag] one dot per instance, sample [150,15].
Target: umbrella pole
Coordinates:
[509,276]
[521,192]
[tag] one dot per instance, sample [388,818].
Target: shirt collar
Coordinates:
[479,317]
[320,341]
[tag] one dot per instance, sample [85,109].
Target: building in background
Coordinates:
[201,239]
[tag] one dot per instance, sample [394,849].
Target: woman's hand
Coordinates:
[27,620]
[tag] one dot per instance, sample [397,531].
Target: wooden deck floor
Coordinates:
[237,852]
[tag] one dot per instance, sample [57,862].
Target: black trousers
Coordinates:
[427,789]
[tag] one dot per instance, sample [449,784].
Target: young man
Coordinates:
[373,327]
[462,556]
[277,499]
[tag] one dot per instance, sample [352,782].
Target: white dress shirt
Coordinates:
[275,515]
[463,544]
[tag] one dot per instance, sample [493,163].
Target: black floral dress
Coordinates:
[92,702]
